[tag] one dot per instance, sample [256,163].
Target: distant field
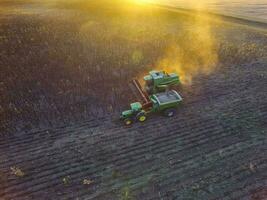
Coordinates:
[256,9]
[64,79]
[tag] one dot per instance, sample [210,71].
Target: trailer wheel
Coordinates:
[128,121]
[170,112]
[141,117]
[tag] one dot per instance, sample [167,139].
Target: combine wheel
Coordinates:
[128,121]
[141,117]
[170,112]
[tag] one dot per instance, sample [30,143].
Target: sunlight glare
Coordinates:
[142,1]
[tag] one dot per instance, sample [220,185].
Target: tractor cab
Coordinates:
[137,106]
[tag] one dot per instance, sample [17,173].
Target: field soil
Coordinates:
[64,74]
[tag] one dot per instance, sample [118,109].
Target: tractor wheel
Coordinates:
[170,112]
[141,117]
[128,121]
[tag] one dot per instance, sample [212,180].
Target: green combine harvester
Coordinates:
[156,98]
[160,81]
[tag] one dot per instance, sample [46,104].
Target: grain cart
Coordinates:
[166,101]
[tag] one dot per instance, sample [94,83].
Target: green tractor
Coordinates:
[162,101]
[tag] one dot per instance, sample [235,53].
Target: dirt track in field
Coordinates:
[63,131]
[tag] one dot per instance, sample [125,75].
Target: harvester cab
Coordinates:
[156,97]
[160,81]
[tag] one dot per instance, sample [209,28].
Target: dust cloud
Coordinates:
[193,53]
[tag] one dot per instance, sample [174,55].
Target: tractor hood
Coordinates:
[126,113]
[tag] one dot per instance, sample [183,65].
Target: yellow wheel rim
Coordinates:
[128,122]
[142,118]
